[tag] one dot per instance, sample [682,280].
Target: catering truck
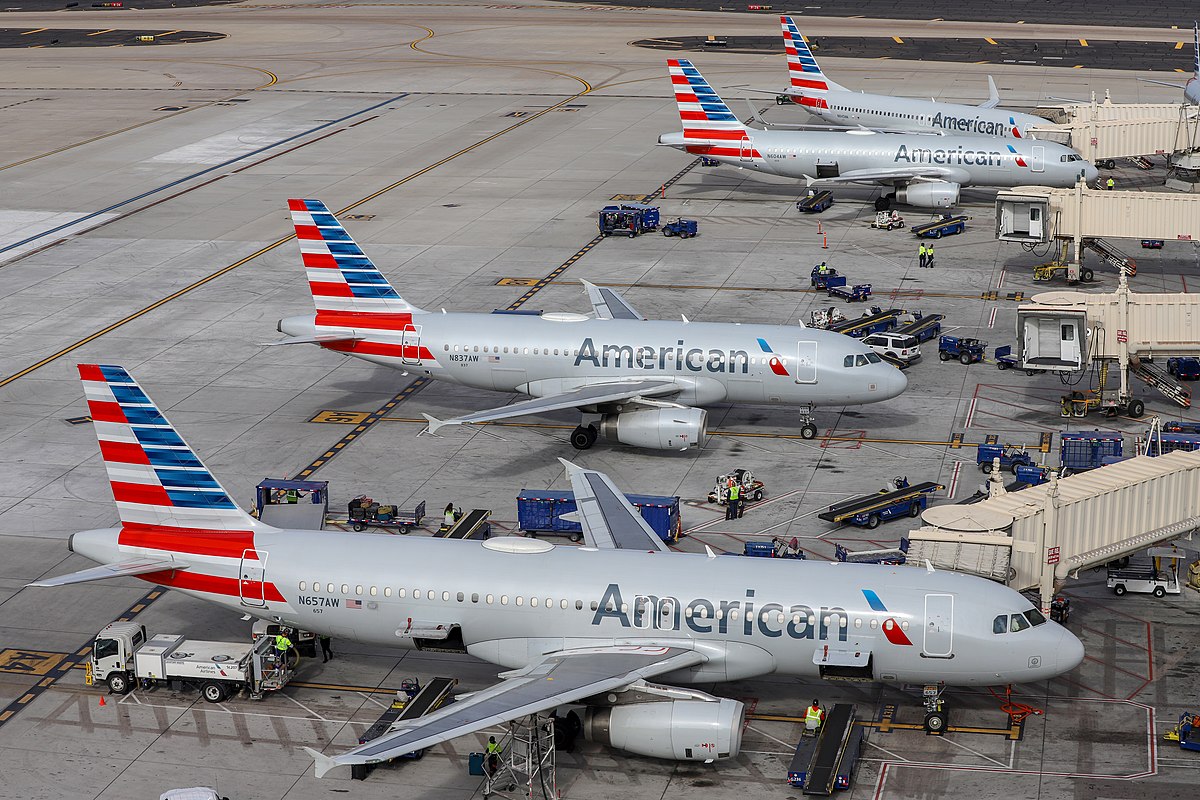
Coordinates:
[124,657]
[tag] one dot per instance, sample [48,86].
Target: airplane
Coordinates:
[637,381]
[573,626]
[925,170]
[1191,89]
[816,93]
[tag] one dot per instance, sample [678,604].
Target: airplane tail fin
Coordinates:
[806,75]
[343,281]
[707,120]
[157,480]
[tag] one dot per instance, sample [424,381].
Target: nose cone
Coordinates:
[1090,173]
[1070,652]
[893,383]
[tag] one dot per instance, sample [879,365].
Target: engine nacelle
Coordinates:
[680,730]
[672,428]
[939,194]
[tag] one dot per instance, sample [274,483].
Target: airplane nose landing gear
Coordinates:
[937,716]
[808,425]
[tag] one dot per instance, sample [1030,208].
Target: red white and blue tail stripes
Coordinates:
[340,276]
[803,70]
[157,479]
[709,127]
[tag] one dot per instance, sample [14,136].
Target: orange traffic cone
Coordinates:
[824,242]
[103,702]
[820,230]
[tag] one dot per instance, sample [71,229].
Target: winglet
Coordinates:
[433,423]
[570,466]
[993,95]
[321,762]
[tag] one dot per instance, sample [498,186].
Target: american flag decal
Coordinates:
[354,604]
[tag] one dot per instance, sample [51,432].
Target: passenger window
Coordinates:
[387,591]
[533,601]
[401,593]
[445,597]
[1000,624]
[474,597]
[596,605]
[563,604]
[488,599]
[579,605]
[345,589]
[374,591]
[302,586]
[503,599]
[358,590]
[332,589]
[1019,623]
[520,600]
[733,614]
[460,597]
[476,348]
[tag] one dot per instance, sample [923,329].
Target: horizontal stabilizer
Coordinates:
[320,338]
[139,566]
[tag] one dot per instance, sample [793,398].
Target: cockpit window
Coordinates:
[1019,623]
[1034,616]
[1000,624]
[1071,157]
[874,359]
[848,361]
[860,360]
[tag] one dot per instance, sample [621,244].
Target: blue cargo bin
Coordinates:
[1088,449]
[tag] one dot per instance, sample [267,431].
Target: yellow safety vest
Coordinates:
[282,644]
[813,715]
[493,747]
[735,492]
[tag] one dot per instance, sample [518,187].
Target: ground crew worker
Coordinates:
[448,516]
[824,270]
[929,256]
[733,507]
[921,254]
[326,649]
[493,755]
[282,645]
[814,716]
[1109,184]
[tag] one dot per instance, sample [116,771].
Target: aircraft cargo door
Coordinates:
[806,362]
[746,149]
[1039,158]
[252,574]
[939,626]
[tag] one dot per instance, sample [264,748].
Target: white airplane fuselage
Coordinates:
[963,160]
[553,353]
[908,113]
[750,617]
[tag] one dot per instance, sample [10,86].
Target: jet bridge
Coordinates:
[1046,534]
[1102,132]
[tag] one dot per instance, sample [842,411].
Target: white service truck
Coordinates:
[123,657]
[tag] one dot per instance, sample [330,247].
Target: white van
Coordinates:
[899,346]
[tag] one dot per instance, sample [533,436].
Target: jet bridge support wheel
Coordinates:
[583,437]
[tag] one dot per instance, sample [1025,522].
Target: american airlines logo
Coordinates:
[770,619]
[968,125]
[953,156]
[618,356]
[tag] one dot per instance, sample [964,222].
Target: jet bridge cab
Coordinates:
[1052,339]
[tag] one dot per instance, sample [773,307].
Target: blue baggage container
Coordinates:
[1170,442]
[542,511]
[475,764]
[1087,449]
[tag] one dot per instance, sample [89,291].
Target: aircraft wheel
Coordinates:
[118,683]
[1136,408]
[882,203]
[935,722]
[808,431]
[1119,589]
[1159,591]
[213,692]
[583,438]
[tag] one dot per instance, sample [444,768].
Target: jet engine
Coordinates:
[669,428]
[938,194]
[680,730]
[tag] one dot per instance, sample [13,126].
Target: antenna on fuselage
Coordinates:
[929,567]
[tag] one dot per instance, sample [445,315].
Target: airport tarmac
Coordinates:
[467,149]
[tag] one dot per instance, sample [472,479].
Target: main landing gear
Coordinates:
[884,201]
[584,436]
[808,424]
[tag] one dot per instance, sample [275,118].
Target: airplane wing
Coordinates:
[608,304]
[138,566]
[609,521]
[594,394]
[993,95]
[887,175]
[555,680]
